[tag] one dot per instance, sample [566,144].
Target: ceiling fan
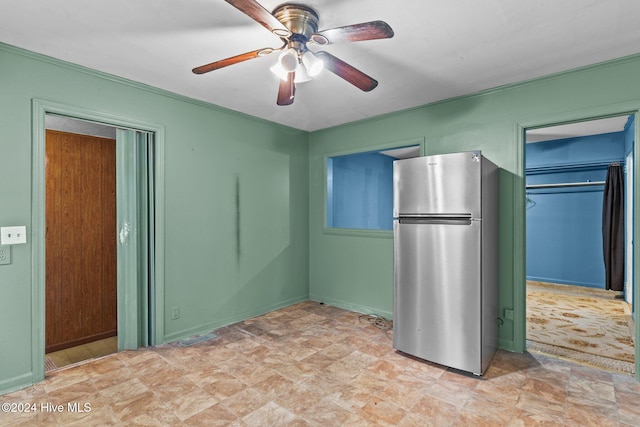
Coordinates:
[297,26]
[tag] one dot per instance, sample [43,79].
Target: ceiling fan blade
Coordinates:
[353,33]
[347,72]
[232,60]
[262,16]
[287,90]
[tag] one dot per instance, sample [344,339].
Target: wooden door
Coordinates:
[81,295]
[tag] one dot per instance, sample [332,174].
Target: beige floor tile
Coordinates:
[245,402]
[438,412]
[84,352]
[60,358]
[215,415]
[270,414]
[381,412]
[78,354]
[188,404]
[316,365]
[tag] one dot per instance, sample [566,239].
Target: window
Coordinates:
[360,188]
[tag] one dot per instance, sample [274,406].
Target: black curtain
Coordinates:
[613,228]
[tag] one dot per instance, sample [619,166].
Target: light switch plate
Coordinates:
[13,235]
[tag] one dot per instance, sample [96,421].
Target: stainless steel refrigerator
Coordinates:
[445,259]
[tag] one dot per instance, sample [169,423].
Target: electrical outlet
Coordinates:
[175,313]
[5,254]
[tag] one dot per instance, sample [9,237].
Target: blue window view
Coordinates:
[360,190]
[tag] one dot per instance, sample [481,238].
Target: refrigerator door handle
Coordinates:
[435,215]
[451,219]
[443,221]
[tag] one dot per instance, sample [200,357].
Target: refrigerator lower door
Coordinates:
[437,291]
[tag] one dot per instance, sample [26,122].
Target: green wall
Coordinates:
[236,202]
[217,160]
[355,271]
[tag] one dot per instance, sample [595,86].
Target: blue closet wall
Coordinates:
[564,224]
[360,191]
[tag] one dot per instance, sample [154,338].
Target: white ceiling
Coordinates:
[441,48]
[573,130]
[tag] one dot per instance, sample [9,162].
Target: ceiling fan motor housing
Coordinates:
[300,19]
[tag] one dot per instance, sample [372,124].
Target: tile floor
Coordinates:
[316,365]
[79,353]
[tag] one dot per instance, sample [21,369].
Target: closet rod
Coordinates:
[566,184]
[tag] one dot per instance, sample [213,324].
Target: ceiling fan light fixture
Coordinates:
[301,75]
[312,63]
[288,60]
[279,71]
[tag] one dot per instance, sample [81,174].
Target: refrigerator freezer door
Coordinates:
[437,292]
[442,184]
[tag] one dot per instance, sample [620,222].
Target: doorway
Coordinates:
[569,312]
[140,196]
[81,251]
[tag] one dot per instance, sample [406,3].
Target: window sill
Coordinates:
[359,232]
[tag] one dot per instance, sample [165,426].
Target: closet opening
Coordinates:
[96,226]
[579,242]
[81,249]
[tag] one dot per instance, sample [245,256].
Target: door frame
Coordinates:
[629,209]
[38,226]
[519,197]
